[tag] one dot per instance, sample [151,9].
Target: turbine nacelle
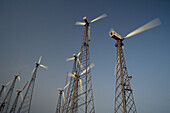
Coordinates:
[3,85]
[18,90]
[59,89]
[74,55]
[115,36]
[15,75]
[86,21]
[37,63]
[154,23]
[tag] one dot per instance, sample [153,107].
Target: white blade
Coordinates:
[81,88]
[63,97]
[122,47]
[21,96]
[19,78]
[46,67]
[33,70]
[80,63]
[72,75]
[66,86]
[68,59]
[8,82]
[80,23]
[154,23]
[100,17]
[78,54]
[39,60]
[91,66]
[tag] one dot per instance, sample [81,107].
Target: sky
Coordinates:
[33,28]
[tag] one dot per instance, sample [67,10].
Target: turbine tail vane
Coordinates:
[81,87]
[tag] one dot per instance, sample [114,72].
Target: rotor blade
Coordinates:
[80,63]
[46,67]
[8,82]
[154,23]
[63,97]
[100,17]
[91,66]
[33,70]
[66,85]
[72,75]
[21,96]
[19,78]
[24,86]
[39,60]
[80,23]
[68,59]
[81,87]
[79,54]
[122,47]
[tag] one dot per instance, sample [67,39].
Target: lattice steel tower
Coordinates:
[80,98]
[70,89]
[5,104]
[26,103]
[19,93]
[124,100]
[3,87]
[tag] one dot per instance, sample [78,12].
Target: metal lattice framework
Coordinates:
[15,103]
[80,93]
[19,93]
[59,107]
[26,103]
[6,102]
[124,100]
[2,89]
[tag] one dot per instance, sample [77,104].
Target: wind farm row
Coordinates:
[77,96]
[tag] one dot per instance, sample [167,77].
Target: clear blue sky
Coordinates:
[33,28]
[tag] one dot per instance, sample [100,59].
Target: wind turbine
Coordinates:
[71,83]
[78,80]
[75,58]
[26,103]
[59,99]
[124,100]
[5,104]
[87,27]
[4,87]
[86,103]
[19,93]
